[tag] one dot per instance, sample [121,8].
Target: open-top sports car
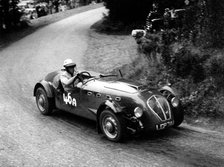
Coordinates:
[118,106]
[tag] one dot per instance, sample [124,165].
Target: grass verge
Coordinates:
[108,51]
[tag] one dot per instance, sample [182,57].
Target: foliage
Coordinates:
[215,14]
[187,64]
[132,10]
[181,55]
[197,75]
[149,43]
[128,11]
[215,67]
[178,59]
[10,15]
[200,99]
[204,21]
[162,4]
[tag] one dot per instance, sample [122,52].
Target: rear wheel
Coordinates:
[44,104]
[112,126]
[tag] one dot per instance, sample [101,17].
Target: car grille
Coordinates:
[160,107]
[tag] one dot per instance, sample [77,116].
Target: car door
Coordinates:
[76,102]
[84,102]
[92,97]
[68,100]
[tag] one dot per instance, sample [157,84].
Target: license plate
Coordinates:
[164,125]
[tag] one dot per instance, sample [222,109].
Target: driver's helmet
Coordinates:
[69,63]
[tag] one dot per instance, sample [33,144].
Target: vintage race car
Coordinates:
[118,106]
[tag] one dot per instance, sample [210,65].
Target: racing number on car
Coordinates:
[69,100]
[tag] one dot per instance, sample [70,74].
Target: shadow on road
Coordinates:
[171,144]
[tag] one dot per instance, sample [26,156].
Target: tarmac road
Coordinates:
[28,138]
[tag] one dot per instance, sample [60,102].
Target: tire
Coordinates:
[44,104]
[178,116]
[177,112]
[112,126]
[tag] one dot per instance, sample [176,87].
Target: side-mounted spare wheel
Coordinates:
[44,104]
[112,126]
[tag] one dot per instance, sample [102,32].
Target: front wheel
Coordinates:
[44,104]
[112,126]
[178,116]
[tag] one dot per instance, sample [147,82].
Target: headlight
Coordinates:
[175,102]
[138,112]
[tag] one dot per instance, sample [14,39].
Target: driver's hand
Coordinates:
[76,73]
[76,82]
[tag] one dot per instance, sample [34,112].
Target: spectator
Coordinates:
[56,5]
[166,17]
[152,15]
[50,6]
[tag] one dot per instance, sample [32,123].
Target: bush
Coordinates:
[176,4]
[149,43]
[187,64]
[198,98]
[196,74]
[216,69]
[216,22]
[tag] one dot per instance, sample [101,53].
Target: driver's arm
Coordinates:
[67,81]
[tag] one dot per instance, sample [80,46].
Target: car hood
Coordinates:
[121,86]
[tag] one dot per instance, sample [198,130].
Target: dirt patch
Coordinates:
[10,37]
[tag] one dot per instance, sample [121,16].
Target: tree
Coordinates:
[176,4]
[216,19]
[205,18]
[128,11]
[9,14]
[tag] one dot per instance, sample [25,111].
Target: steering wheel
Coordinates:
[85,72]
[80,75]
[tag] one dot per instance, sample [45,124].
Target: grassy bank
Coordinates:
[109,51]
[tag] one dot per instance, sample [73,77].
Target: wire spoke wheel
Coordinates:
[112,126]
[43,102]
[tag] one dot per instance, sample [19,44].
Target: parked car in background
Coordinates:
[42,9]
[26,4]
[30,13]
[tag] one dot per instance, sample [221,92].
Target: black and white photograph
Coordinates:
[111,83]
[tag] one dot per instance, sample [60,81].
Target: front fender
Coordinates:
[171,90]
[46,86]
[108,104]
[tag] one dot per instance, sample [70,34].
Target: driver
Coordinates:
[69,75]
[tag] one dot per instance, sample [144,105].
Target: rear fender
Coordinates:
[46,86]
